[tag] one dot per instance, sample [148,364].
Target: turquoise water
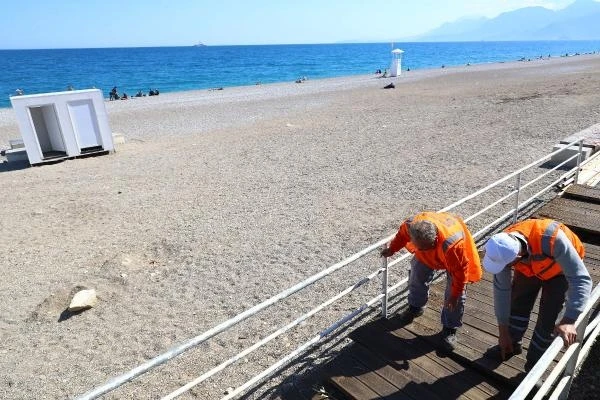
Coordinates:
[188,68]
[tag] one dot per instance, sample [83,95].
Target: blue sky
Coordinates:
[27,24]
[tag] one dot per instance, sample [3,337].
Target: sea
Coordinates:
[175,69]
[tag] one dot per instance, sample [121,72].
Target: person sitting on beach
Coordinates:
[124,97]
[139,94]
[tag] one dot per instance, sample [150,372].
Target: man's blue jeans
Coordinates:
[420,279]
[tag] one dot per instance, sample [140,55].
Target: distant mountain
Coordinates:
[579,21]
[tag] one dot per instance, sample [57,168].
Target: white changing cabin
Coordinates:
[61,125]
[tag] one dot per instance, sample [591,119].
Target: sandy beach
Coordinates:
[220,199]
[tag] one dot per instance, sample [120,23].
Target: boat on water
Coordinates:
[199,44]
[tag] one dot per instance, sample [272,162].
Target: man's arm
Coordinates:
[457,264]
[502,292]
[578,277]
[399,241]
[580,286]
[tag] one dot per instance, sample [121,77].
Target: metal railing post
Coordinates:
[572,363]
[384,285]
[516,215]
[579,154]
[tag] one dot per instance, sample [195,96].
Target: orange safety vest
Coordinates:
[451,231]
[540,235]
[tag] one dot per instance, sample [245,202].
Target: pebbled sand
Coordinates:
[220,199]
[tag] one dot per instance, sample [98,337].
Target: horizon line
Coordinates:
[296,44]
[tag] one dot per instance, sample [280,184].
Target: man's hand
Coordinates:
[451,303]
[387,252]
[567,332]
[505,342]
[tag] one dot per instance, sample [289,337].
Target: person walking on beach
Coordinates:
[113,94]
[439,241]
[545,255]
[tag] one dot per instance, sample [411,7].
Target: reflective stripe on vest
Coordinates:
[549,233]
[452,239]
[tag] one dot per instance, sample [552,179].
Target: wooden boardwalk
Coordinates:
[389,360]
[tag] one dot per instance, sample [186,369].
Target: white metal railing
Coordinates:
[381,298]
[568,362]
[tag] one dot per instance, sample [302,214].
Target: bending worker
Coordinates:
[439,241]
[545,255]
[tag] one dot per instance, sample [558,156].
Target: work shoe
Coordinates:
[408,315]
[449,339]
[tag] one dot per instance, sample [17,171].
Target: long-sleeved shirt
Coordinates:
[577,275]
[460,259]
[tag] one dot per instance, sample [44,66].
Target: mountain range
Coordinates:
[578,21]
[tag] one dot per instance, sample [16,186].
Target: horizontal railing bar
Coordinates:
[556,371]
[486,228]
[494,204]
[507,177]
[591,325]
[397,285]
[301,349]
[590,340]
[272,336]
[531,182]
[550,186]
[522,205]
[560,388]
[399,259]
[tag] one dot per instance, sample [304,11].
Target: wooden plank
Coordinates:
[583,193]
[343,369]
[482,343]
[472,353]
[370,376]
[581,217]
[416,358]
[406,354]
[456,385]
[592,251]
[398,379]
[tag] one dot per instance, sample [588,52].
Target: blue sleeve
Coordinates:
[578,277]
[502,289]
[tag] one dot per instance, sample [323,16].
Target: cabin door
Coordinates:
[85,125]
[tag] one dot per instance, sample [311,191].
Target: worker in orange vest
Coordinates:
[439,241]
[545,255]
